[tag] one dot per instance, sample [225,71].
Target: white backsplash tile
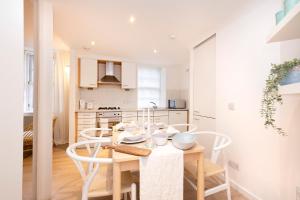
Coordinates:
[110,96]
[115,96]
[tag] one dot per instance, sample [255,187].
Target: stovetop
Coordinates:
[109,108]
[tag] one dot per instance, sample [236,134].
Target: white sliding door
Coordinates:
[204,84]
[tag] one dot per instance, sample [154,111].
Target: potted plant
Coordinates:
[271,97]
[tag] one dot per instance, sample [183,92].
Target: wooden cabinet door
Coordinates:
[161,119]
[178,117]
[204,123]
[204,78]
[88,73]
[129,75]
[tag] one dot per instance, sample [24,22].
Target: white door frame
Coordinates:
[42,145]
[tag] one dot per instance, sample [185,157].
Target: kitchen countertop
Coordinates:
[129,110]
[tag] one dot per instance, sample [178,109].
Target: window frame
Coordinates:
[28,81]
[161,88]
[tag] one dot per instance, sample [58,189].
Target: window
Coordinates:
[151,86]
[28,81]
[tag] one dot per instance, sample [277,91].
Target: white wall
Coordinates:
[289,146]
[28,23]
[243,63]
[11,104]
[177,82]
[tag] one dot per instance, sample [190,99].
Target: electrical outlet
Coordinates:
[234,165]
[231,106]
[298,193]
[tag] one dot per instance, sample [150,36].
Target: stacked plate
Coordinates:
[129,138]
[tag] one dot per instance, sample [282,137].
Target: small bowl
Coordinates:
[184,141]
[160,139]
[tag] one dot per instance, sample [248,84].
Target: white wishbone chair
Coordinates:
[191,127]
[211,166]
[89,172]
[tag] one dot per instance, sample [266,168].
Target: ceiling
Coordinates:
[78,22]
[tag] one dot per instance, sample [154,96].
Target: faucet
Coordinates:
[154,105]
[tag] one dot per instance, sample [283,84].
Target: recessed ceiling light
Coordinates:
[172,36]
[155,51]
[93,43]
[132,19]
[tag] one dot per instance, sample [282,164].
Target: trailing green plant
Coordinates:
[271,97]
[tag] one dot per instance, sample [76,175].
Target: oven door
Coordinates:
[104,122]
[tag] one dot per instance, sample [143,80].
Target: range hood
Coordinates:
[109,74]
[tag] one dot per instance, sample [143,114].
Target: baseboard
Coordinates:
[246,193]
[60,142]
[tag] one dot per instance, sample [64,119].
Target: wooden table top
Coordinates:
[122,157]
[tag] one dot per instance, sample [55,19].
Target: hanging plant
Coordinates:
[271,97]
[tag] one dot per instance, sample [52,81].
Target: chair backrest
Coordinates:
[191,127]
[221,141]
[87,134]
[91,159]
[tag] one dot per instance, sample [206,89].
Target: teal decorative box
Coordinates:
[279,16]
[289,5]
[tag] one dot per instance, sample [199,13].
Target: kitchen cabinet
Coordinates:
[128,117]
[204,77]
[85,121]
[161,119]
[178,117]
[161,116]
[129,75]
[88,73]
[140,116]
[204,123]
[204,83]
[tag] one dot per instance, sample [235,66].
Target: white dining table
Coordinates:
[125,162]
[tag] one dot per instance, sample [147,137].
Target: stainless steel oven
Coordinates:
[108,119]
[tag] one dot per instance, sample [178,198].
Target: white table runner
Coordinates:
[161,174]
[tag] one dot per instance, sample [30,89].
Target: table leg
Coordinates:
[200,178]
[116,181]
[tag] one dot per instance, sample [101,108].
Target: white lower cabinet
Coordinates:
[88,120]
[205,123]
[130,116]
[161,119]
[129,119]
[85,121]
[161,116]
[178,117]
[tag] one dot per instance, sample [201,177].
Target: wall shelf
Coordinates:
[290,89]
[288,28]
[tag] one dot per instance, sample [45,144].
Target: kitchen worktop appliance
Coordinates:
[107,117]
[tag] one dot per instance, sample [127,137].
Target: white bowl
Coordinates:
[133,137]
[184,141]
[160,139]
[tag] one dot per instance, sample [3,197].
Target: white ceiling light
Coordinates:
[93,43]
[172,36]
[132,19]
[155,51]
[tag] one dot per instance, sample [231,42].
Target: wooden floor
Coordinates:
[67,181]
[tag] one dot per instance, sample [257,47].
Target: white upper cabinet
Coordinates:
[204,78]
[129,75]
[88,73]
